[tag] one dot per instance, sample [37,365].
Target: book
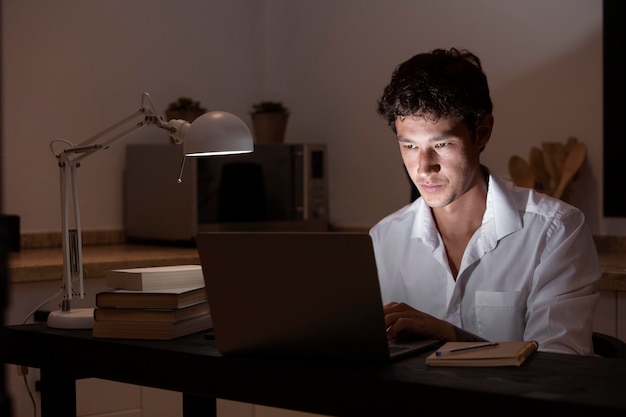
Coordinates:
[512,353]
[151,330]
[167,315]
[170,298]
[155,278]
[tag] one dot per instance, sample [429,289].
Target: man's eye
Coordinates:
[410,146]
[442,144]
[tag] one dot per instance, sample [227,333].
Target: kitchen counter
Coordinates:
[45,264]
[613,266]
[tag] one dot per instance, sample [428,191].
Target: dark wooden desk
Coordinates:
[547,383]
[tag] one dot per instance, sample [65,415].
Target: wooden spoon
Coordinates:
[521,172]
[571,165]
[548,160]
[571,142]
[539,168]
[558,154]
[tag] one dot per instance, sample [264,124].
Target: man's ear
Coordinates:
[483,131]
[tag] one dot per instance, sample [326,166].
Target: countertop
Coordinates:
[613,266]
[45,264]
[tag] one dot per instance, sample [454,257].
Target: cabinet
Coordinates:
[610,314]
[605,315]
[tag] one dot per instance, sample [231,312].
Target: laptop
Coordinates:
[297,294]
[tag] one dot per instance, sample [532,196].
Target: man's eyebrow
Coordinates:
[442,136]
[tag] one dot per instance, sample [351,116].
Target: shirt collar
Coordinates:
[502,209]
[501,217]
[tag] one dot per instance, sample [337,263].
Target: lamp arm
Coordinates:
[68,162]
[148,117]
[175,129]
[71,240]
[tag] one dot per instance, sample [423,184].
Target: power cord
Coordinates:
[43,303]
[23,370]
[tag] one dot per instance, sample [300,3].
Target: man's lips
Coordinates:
[430,186]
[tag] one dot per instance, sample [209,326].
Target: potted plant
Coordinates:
[269,119]
[184,108]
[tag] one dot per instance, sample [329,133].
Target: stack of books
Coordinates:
[158,303]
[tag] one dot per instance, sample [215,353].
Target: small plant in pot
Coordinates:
[184,108]
[269,119]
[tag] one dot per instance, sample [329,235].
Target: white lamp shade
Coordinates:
[216,133]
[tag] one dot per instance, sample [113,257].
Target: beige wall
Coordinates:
[72,68]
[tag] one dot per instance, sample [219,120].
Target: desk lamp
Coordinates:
[213,133]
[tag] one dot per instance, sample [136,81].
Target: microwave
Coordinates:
[278,187]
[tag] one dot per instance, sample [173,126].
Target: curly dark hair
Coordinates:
[440,83]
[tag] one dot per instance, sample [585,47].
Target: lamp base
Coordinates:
[78,318]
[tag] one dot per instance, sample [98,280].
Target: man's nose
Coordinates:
[428,162]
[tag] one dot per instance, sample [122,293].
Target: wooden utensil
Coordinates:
[558,154]
[548,160]
[542,182]
[571,165]
[521,172]
[569,145]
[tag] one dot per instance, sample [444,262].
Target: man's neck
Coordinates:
[465,214]
[457,222]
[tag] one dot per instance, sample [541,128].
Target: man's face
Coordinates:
[441,157]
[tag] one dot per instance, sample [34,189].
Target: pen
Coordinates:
[460,349]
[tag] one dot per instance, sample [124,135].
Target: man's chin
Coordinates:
[433,202]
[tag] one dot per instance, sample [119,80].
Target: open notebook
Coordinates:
[297,294]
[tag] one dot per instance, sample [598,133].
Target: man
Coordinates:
[475,258]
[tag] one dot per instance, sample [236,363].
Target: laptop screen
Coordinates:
[295,294]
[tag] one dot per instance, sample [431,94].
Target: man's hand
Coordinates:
[403,320]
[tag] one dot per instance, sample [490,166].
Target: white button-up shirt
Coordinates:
[528,273]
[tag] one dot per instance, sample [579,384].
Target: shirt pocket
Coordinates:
[500,316]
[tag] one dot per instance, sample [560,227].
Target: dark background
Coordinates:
[5,403]
[614,135]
